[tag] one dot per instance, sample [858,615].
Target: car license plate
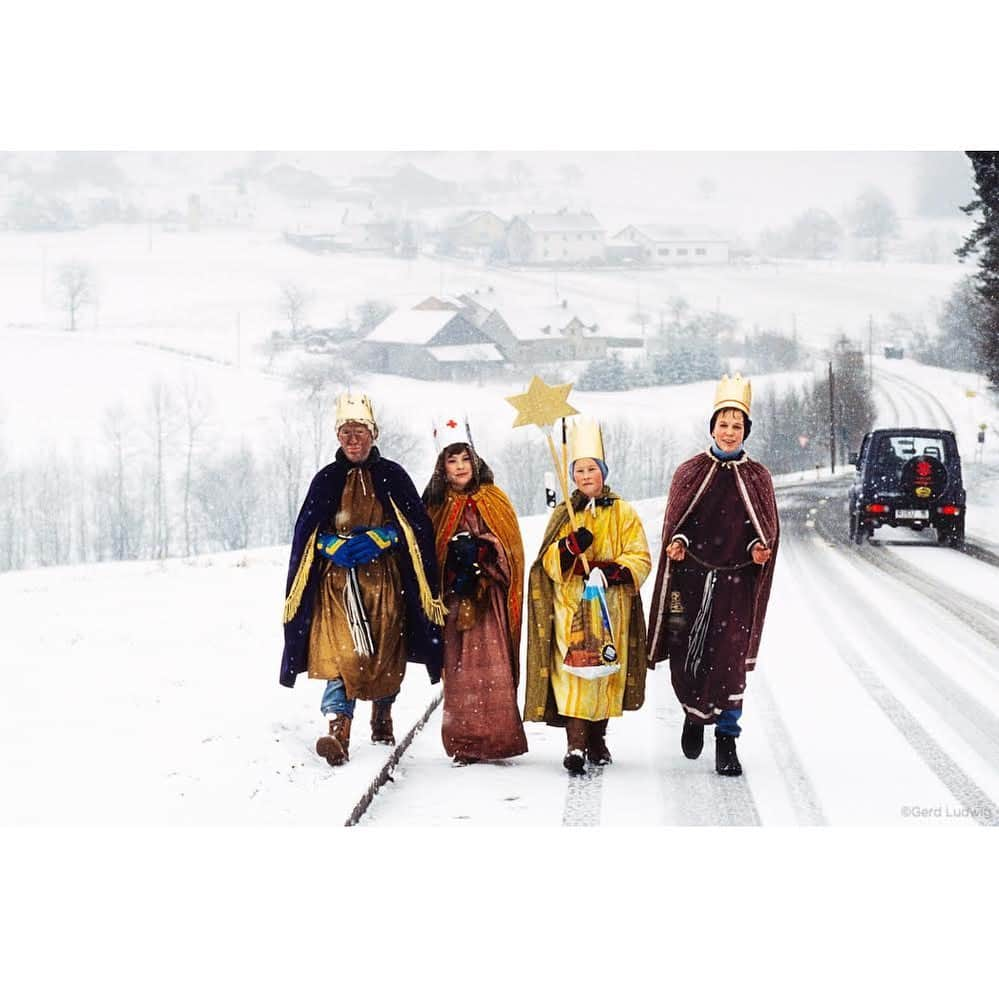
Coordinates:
[912,514]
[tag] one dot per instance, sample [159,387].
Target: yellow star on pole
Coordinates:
[541,404]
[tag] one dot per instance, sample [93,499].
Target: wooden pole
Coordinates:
[564,479]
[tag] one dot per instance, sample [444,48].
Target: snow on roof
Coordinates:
[678,233]
[413,326]
[562,222]
[472,215]
[466,352]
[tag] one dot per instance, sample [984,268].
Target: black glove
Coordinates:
[573,545]
[462,565]
[615,574]
[464,583]
[462,552]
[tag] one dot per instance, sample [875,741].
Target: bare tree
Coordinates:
[873,217]
[520,467]
[814,234]
[570,174]
[48,487]
[370,313]
[195,414]
[518,173]
[76,287]
[228,493]
[293,303]
[123,511]
[161,430]
[316,384]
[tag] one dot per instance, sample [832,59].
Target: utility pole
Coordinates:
[832,422]
[870,352]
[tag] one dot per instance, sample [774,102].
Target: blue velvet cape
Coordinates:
[423,637]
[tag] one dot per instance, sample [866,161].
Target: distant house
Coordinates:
[409,184]
[623,252]
[674,244]
[430,343]
[377,237]
[546,334]
[297,184]
[559,238]
[478,230]
[351,236]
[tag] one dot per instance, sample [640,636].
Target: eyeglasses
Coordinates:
[354,435]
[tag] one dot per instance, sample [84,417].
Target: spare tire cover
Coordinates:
[923,477]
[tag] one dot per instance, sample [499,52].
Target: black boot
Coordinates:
[381,724]
[576,732]
[726,759]
[596,748]
[692,738]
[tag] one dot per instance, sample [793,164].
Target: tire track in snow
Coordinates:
[804,800]
[922,400]
[884,402]
[583,798]
[955,703]
[980,617]
[692,794]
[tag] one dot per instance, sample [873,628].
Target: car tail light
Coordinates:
[877,508]
[952,511]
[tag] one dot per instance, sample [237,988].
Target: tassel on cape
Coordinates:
[294,597]
[432,606]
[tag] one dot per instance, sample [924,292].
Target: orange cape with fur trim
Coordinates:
[500,518]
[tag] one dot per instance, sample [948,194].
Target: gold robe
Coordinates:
[331,647]
[618,536]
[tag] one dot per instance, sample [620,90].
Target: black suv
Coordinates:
[908,477]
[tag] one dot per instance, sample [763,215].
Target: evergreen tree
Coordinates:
[962,315]
[984,240]
[604,374]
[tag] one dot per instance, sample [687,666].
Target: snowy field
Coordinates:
[214,294]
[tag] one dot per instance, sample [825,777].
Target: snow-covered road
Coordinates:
[876,701]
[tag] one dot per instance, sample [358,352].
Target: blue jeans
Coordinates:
[728,722]
[336,702]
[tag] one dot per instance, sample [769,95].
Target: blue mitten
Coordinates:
[358,549]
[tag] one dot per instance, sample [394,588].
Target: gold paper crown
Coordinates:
[585,439]
[355,409]
[734,392]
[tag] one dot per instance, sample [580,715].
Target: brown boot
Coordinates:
[596,749]
[576,730]
[381,724]
[335,746]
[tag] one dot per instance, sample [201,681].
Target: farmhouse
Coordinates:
[431,343]
[555,239]
[674,244]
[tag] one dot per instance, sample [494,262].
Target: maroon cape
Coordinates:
[690,481]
